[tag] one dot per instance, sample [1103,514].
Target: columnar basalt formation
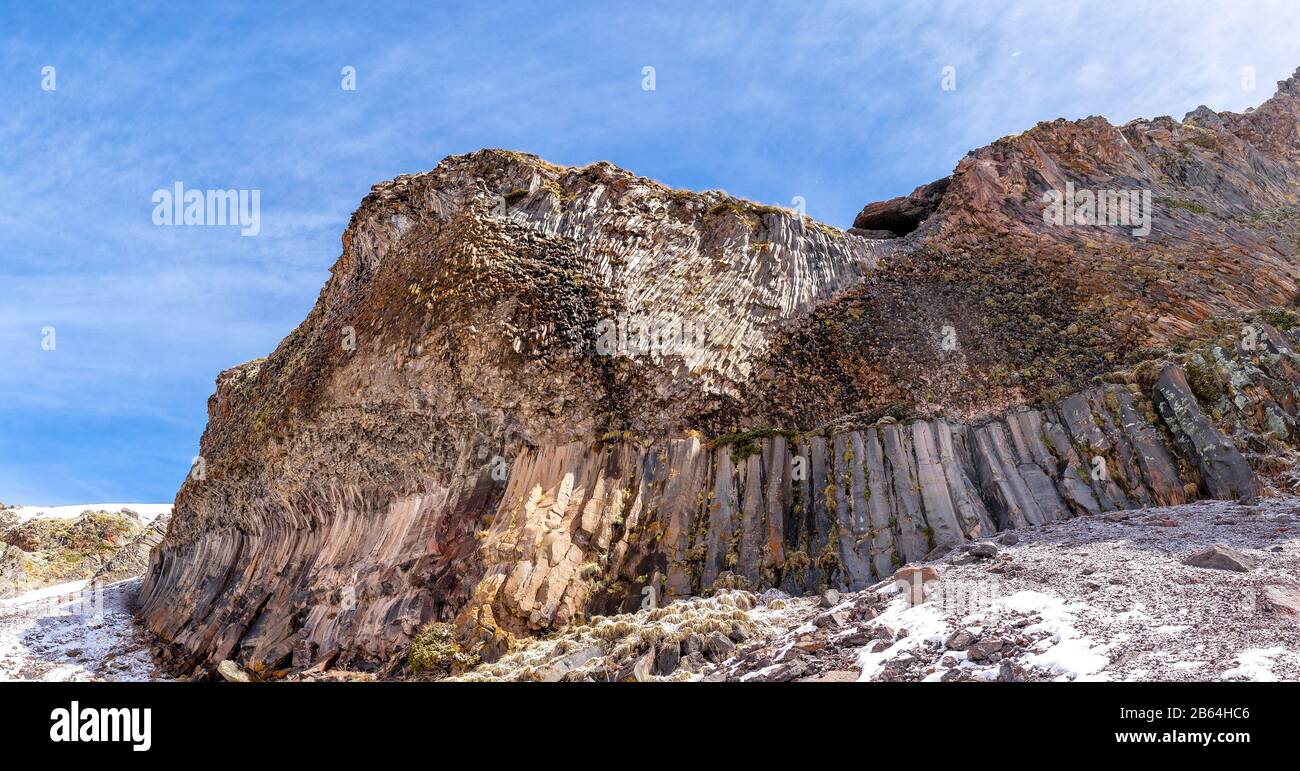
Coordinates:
[586,527]
[529,394]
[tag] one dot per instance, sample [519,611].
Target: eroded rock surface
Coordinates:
[529,394]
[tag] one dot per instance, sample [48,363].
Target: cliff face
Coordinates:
[1039,309]
[530,393]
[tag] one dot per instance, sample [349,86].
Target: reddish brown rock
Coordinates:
[470,426]
[1220,557]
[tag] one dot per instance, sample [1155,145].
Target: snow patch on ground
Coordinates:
[147,511]
[57,590]
[924,622]
[1257,664]
[75,632]
[1067,652]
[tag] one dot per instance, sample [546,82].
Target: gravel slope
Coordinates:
[1084,599]
[67,632]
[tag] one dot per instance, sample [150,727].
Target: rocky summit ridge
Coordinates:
[529,395]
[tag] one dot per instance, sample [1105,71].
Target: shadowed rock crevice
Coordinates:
[899,216]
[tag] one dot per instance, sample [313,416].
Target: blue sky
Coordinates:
[839,103]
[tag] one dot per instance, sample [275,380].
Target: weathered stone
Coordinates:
[559,669]
[1009,672]
[232,673]
[718,647]
[910,531]
[880,508]
[133,558]
[1282,599]
[1220,557]
[833,676]
[641,669]
[836,619]
[781,673]
[1224,471]
[985,648]
[900,216]
[667,658]
[959,640]
[940,512]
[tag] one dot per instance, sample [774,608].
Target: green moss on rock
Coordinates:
[435,651]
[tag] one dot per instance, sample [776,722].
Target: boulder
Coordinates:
[1224,471]
[959,640]
[1283,599]
[232,672]
[1220,557]
[667,658]
[718,647]
[984,648]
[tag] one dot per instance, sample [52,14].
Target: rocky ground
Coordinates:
[73,632]
[1109,598]
[1202,591]
[1092,598]
[69,578]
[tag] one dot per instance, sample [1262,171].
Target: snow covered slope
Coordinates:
[74,632]
[147,511]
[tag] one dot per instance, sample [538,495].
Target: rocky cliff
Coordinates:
[529,394]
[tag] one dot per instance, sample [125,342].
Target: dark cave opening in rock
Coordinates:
[900,216]
[897,222]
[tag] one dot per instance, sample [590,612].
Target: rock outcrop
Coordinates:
[529,394]
[132,559]
[46,551]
